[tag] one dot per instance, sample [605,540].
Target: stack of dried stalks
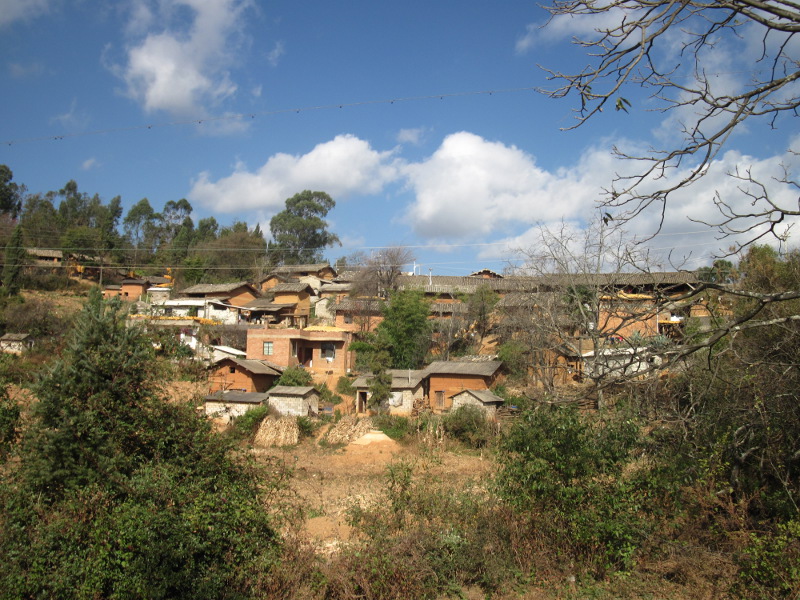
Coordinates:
[277,432]
[348,429]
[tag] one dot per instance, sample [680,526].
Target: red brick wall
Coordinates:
[452,384]
[221,378]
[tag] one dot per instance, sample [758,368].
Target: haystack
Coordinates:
[277,432]
[349,429]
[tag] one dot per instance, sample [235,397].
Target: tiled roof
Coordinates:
[214,288]
[359,305]
[291,390]
[485,396]
[237,397]
[256,367]
[290,287]
[445,367]
[401,379]
[284,269]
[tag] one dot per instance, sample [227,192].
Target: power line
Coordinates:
[266,113]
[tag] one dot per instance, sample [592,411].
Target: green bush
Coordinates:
[468,425]
[566,468]
[247,425]
[344,386]
[295,376]
[306,426]
[771,563]
[396,427]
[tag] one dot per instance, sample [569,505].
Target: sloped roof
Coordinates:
[485,396]
[236,397]
[215,288]
[267,304]
[256,367]
[291,390]
[361,305]
[284,269]
[296,287]
[485,368]
[14,337]
[401,379]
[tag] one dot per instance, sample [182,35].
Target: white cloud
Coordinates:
[342,167]
[15,10]
[20,70]
[72,120]
[275,54]
[562,27]
[183,68]
[471,187]
[89,163]
[411,136]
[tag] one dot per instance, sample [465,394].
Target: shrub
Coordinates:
[771,564]
[565,467]
[306,426]
[344,386]
[247,425]
[468,425]
[396,427]
[295,376]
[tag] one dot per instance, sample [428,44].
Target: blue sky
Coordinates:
[463,176]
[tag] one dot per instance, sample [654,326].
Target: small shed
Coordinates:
[233,373]
[483,399]
[406,391]
[294,400]
[16,343]
[226,405]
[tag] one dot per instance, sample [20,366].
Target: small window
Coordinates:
[231,369]
[328,350]
[440,399]
[348,318]
[267,348]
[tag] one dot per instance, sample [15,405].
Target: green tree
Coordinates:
[10,193]
[119,494]
[405,329]
[295,376]
[39,221]
[299,232]
[14,262]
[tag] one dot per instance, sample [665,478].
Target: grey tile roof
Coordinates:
[291,287]
[444,367]
[291,390]
[236,397]
[214,288]
[256,367]
[401,379]
[485,396]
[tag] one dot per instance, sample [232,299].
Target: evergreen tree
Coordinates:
[405,329]
[117,493]
[14,261]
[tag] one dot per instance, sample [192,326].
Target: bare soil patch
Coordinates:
[330,480]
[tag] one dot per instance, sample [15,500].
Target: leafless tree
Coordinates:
[634,45]
[593,306]
[381,272]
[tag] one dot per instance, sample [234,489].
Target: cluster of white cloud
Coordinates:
[472,189]
[15,10]
[341,167]
[180,53]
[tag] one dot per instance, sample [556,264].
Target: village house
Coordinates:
[227,405]
[487,401]
[235,294]
[290,273]
[444,379]
[324,351]
[358,314]
[294,400]
[16,343]
[407,391]
[233,373]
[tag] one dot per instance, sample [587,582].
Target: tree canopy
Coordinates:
[118,493]
[300,232]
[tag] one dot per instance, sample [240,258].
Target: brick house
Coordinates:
[236,294]
[444,379]
[231,373]
[288,273]
[324,351]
